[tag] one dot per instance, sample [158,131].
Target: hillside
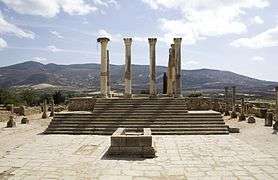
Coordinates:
[86,76]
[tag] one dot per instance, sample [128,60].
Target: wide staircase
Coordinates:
[164,117]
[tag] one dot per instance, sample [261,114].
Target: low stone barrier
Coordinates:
[125,143]
[82,104]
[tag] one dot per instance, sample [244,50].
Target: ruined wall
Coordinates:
[82,104]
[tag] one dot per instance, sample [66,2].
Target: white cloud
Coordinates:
[50,8]
[204,18]
[53,48]
[265,39]
[257,20]
[257,59]
[8,28]
[3,43]
[39,59]
[58,35]
[192,62]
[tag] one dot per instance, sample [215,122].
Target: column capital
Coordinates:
[152,41]
[128,41]
[177,40]
[103,39]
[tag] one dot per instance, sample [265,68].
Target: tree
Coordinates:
[58,97]
[29,97]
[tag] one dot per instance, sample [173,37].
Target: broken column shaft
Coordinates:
[128,91]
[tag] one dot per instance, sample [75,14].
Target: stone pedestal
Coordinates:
[44,113]
[128,72]
[177,42]
[24,120]
[269,119]
[135,144]
[11,123]
[242,113]
[103,67]
[152,43]
[226,113]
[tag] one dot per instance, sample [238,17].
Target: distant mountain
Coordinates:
[86,76]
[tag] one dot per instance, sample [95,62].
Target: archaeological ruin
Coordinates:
[169,113]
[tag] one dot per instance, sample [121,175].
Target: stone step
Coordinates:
[222,132]
[178,126]
[132,115]
[111,129]
[138,122]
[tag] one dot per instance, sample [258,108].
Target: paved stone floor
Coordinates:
[27,154]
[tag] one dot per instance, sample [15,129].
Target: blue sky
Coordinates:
[235,35]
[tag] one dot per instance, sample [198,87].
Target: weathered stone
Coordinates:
[177,42]
[152,53]
[22,111]
[275,126]
[81,104]
[11,123]
[128,71]
[233,114]
[269,119]
[103,69]
[251,119]
[233,130]
[24,120]
[125,143]
[44,114]
[52,108]
[242,113]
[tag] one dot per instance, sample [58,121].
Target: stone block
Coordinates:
[269,119]
[24,120]
[11,123]
[251,119]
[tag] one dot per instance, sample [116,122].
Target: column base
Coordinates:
[128,95]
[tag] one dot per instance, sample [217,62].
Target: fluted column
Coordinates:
[152,43]
[177,42]
[103,67]
[128,42]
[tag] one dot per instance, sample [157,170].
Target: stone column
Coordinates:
[108,75]
[128,91]
[234,114]
[103,67]
[226,113]
[242,113]
[174,69]
[44,114]
[152,43]
[170,74]
[52,108]
[11,122]
[177,42]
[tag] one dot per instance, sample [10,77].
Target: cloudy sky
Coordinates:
[235,35]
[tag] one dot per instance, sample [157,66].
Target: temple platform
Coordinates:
[164,116]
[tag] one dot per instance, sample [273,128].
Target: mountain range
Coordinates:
[86,77]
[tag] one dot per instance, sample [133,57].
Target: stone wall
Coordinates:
[82,104]
[26,111]
[201,103]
